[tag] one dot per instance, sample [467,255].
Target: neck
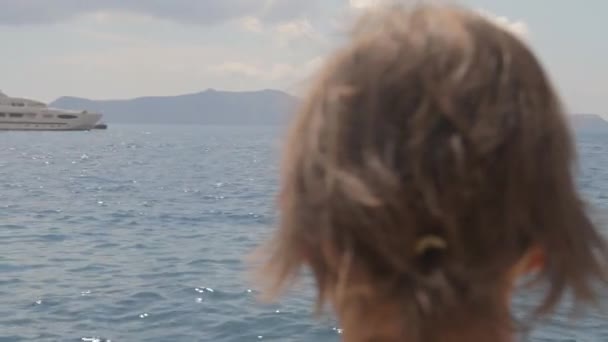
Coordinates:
[389,323]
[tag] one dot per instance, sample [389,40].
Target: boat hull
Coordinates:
[47,121]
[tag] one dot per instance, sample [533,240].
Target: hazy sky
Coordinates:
[127,48]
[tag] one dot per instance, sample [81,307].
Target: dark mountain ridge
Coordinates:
[208,107]
[263,107]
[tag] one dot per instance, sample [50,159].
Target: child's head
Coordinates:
[428,168]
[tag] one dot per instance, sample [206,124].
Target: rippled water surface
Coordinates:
[139,234]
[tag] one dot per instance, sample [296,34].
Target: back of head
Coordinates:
[430,155]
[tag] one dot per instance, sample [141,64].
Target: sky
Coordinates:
[106,49]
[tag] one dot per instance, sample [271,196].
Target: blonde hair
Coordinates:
[429,156]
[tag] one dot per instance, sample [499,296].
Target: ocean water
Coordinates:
[140,233]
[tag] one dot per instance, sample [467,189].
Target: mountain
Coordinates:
[588,123]
[264,107]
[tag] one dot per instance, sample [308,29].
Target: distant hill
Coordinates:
[264,107]
[588,123]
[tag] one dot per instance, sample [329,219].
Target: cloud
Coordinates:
[114,38]
[198,12]
[298,30]
[108,17]
[285,32]
[252,24]
[517,27]
[142,68]
[237,68]
[140,58]
[149,63]
[275,72]
[285,10]
[362,4]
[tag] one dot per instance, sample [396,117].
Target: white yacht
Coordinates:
[25,114]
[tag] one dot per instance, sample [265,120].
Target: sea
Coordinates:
[142,233]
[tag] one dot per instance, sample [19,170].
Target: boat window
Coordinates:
[16,115]
[66,116]
[30,115]
[47,116]
[2,115]
[18,104]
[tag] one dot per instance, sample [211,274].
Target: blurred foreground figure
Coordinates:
[430,169]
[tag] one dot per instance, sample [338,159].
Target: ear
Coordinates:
[532,261]
[535,260]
